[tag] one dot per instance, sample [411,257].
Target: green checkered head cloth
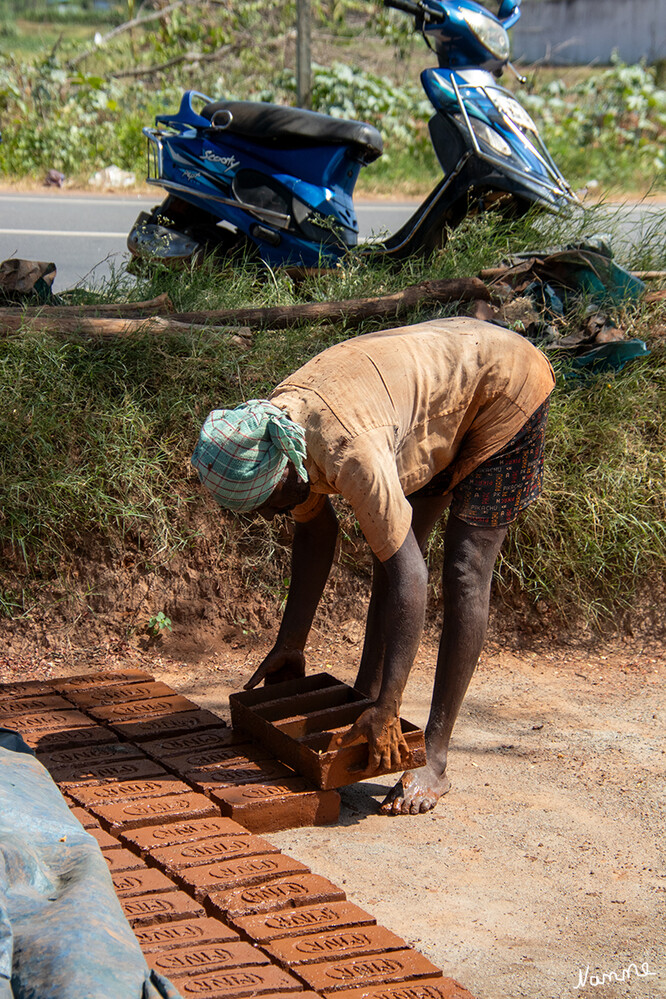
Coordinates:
[243,452]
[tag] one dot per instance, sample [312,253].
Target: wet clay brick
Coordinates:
[162,907]
[173,724]
[123,860]
[93,735]
[151,811]
[197,958]
[211,778]
[152,837]
[102,773]
[86,756]
[143,881]
[225,874]
[203,851]
[64,684]
[104,839]
[296,922]
[33,705]
[285,893]
[87,820]
[47,721]
[373,969]
[286,805]
[218,756]
[24,688]
[430,988]
[334,945]
[150,708]
[235,983]
[166,936]
[125,790]
[177,745]
[116,693]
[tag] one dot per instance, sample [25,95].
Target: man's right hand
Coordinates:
[279,665]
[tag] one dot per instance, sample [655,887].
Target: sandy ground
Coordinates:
[547,856]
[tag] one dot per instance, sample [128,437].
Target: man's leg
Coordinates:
[426,512]
[469,557]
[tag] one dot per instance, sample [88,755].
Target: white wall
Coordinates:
[583,31]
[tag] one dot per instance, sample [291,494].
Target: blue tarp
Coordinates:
[63,934]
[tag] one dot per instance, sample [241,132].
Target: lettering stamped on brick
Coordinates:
[307,919]
[165,936]
[206,957]
[308,889]
[372,969]
[244,871]
[204,851]
[335,944]
[144,910]
[152,837]
[428,988]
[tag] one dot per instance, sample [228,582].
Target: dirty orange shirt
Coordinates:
[385,412]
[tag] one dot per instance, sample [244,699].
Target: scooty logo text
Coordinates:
[228,162]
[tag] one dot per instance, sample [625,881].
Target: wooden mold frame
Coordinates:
[301,720]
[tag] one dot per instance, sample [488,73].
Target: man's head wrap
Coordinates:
[243,452]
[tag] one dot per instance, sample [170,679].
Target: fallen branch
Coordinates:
[353,310]
[125,310]
[108,328]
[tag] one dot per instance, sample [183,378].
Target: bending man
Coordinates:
[403,424]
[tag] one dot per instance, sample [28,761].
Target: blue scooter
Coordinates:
[277,181]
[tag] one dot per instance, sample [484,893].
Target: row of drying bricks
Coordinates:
[175,807]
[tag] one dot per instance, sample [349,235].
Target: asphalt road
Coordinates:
[85,235]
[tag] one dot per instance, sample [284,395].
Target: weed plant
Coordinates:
[95,439]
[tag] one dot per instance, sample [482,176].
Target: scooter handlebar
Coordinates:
[405,5]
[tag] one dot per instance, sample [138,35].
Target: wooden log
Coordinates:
[104,328]
[123,310]
[353,310]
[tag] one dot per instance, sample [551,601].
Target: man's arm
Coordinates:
[402,624]
[311,560]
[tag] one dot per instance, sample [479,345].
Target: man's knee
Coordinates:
[470,554]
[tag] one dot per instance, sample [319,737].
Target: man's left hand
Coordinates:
[382,732]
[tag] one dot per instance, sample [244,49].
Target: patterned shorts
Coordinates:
[494,493]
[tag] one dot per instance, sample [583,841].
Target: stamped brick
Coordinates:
[66,683]
[429,988]
[149,708]
[184,932]
[105,772]
[170,808]
[87,820]
[204,957]
[143,881]
[115,693]
[178,745]
[33,705]
[225,874]
[177,723]
[209,779]
[284,805]
[305,919]
[44,741]
[125,790]
[372,969]
[333,945]
[306,889]
[203,758]
[25,688]
[104,839]
[204,851]
[263,980]
[123,860]
[161,907]
[86,756]
[152,837]
[47,721]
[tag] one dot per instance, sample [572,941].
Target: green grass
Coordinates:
[95,438]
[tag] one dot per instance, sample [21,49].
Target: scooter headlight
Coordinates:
[491,34]
[489,137]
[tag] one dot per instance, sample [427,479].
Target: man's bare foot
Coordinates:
[416,791]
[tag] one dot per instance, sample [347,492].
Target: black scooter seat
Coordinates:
[275,123]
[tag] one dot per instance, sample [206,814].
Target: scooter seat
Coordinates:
[275,123]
